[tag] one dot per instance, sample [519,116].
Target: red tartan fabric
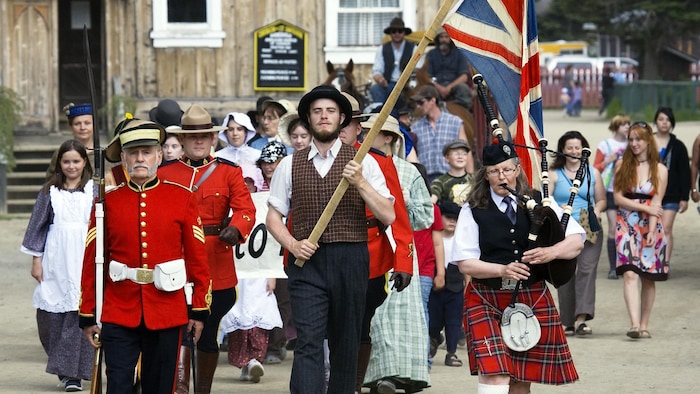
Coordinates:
[549,362]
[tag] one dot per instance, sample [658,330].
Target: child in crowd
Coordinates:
[445,306]
[455,185]
[574,108]
[239,130]
[292,131]
[55,239]
[172,148]
[249,323]
[272,153]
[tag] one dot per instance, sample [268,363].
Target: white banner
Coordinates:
[261,255]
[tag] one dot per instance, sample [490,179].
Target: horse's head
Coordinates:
[343,79]
[339,77]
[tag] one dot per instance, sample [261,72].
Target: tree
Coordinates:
[648,26]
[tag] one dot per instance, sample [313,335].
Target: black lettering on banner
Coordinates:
[251,241]
[238,253]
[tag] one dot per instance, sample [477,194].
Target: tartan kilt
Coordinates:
[549,362]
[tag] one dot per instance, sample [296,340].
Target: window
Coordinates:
[354,28]
[187,23]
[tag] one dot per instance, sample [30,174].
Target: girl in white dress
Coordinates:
[55,239]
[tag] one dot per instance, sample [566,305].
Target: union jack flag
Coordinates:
[499,38]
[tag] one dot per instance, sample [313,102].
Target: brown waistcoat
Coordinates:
[311,193]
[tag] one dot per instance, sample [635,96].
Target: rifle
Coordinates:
[98,178]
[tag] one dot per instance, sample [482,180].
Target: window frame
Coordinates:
[337,54]
[186,35]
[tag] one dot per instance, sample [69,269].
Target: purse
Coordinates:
[520,329]
[589,221]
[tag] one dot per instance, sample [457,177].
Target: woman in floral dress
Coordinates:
[640,182]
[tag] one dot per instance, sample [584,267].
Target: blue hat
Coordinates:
[77,110]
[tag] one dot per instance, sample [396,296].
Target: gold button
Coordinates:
[143,224]
[145,265]
[144,245]
[143,214]
[143,204]
[143,233]
[144,255]
[217,193]
[143,195]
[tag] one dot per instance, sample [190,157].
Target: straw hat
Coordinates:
[283,127]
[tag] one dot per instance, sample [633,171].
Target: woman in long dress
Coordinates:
[55,239]
[640,183]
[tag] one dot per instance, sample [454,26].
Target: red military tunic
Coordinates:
[145,226]
[381,255]
[222,191]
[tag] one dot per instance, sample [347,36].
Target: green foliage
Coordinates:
[647,25]
[117,107]
[10,109]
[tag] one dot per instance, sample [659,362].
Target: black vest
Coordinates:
[388,54]
[500,241]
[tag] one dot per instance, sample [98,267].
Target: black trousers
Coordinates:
[159,349]
[328,300]
[376,294]
[221,302]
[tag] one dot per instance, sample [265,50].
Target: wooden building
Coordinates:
[189,50]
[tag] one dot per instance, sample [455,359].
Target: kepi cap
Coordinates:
[133,133]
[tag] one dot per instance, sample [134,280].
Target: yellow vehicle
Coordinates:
[551,49]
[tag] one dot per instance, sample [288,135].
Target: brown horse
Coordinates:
[421,78]
[343,79]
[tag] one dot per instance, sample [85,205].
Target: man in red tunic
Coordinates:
[152,229]
[219,188]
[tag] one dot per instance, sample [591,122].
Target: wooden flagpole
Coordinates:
[428,36]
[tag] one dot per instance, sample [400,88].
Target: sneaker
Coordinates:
[73,385]
[245,376]
[386,387]
[272,359]
[255,370]
[612,274]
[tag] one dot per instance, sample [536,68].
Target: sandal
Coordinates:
[433,347]
[583,329]
[644,334]
[451,360]
[569,331]
[633,333]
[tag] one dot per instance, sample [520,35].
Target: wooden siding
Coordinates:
[219,78]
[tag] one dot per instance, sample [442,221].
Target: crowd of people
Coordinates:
[427,245]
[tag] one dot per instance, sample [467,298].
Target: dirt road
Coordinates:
[607,361]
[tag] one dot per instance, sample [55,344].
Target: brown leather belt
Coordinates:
[374,222]
[212,229]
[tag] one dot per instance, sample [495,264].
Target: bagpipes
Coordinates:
[519,327]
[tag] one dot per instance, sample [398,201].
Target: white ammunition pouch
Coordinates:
[167,276]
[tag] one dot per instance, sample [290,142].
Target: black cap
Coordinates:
[498,153]
[449,208]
